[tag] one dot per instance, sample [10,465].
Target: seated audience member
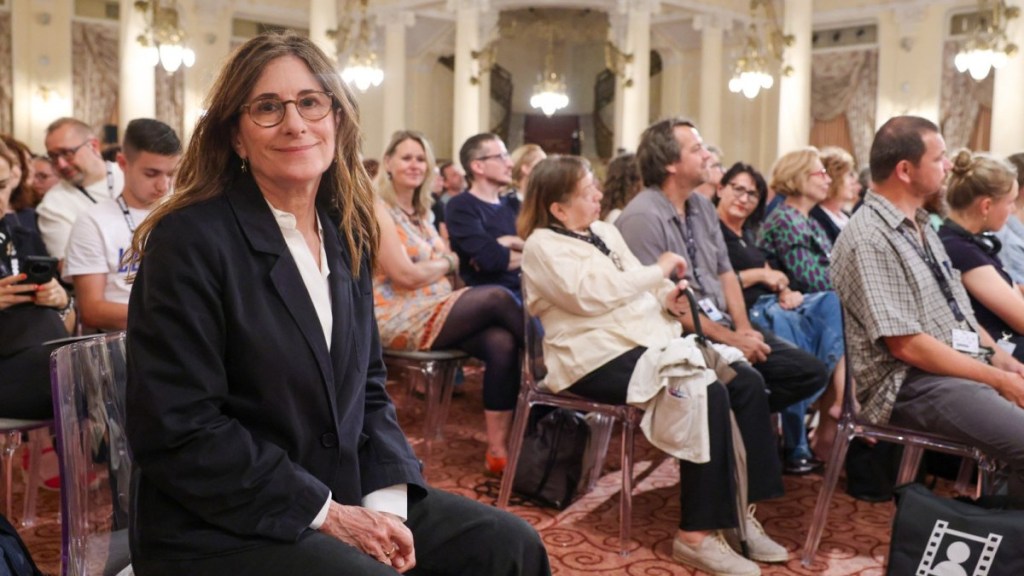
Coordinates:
[44,177]
[86,180]
[714,171]
[30,314]
[602,310]
[1011,236]
[264,440]
[416,307]
[794,242]
[832,213]
[921,359]
[102,235]
[667,217]
[22,201]
[371,165]
[621,183]
[482,224]
[811,321]
[981,192]
[453,181]
[523,159]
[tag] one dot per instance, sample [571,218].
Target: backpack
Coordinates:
[15,559]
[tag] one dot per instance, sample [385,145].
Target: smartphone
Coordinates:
[38,269]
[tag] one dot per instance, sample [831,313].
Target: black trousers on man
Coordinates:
[790,373]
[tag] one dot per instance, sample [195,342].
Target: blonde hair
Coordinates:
[838,163]
[421,199]
[211,165]
[523,156]
[976,176]
[792,170]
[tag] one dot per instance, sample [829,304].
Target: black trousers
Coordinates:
[791,373]
[708,491]
[25,384]
[453,535]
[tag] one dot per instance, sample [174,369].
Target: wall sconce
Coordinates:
[618,61]
[485,59]
[47,102]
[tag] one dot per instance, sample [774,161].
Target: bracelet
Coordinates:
[63,312]
[451,262]
[739,278]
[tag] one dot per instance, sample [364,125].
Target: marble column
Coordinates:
[712,81]
[137,88]
[394,71]
[41,67]
[636,99]
[795,90]
[1008,96]
[467,97]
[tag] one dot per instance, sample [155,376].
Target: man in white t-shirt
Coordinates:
[85,180]
[102,235]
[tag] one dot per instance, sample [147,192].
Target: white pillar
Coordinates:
[488,37]
[795,90]
[711,76]
[673,80]
[394,72]
[41,59]
[323,17]
[210,38]
[137,87]
[910,40]
[1008,96]
[466,101]
[636,99]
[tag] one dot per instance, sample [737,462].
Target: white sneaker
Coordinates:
[761,547]
[714,556]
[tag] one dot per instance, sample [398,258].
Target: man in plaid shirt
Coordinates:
[920,357]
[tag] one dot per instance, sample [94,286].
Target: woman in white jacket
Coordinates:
[601,310]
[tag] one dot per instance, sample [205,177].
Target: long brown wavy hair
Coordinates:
[210,163]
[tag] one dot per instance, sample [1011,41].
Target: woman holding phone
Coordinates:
[32,311]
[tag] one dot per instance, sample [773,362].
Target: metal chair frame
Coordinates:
[436,369]
[11,431]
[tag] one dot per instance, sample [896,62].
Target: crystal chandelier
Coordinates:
[988,46]
[549,95]
[163,40]
[763,50]
[354,38]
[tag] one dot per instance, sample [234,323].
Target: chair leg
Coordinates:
[447,386]
[36,439]
[910,463]
[432,390]
[964,477]
[11,443]
[626,501]
[828,487]
[600,436]
[515,446]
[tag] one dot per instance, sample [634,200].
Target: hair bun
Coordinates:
[963,163]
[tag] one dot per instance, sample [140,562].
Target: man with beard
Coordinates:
[920,358]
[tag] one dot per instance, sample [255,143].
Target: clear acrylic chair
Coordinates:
[435,369]
[88,379]
[11,431]
[600,416]
[914,444]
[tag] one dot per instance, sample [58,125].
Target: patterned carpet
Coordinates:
[583,539]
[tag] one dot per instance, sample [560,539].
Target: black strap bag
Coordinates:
[551,460]
[15,559]
[936,536]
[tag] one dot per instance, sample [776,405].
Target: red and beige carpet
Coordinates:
[583,539]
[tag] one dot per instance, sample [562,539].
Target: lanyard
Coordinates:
[124,212]
[691,245]
[110,186]
[929,259]
[592,239]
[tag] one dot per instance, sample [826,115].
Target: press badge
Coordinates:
[1005,343]
[965,341]
[710,310]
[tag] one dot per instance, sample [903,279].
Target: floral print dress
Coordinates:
[412,319]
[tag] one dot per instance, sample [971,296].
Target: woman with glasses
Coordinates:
[833,213]
[601,311]
[262,433]
[812,321]
[416,307]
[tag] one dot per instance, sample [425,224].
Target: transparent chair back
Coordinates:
[88,379]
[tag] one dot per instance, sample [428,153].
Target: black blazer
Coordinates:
[831,230]
[239,417]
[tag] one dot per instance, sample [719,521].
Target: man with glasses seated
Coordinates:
[482,223]
[86,180]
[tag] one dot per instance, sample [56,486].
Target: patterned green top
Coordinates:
[798,246]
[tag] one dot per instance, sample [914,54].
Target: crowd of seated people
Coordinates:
[427,257]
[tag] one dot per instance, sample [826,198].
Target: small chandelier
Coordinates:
[549,95]
[988,46]
[753,69]
[163,40]
[354,39]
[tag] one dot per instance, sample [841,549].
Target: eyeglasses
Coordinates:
[68,154]
[268,112]
[823,173]
[743,192]
[502,155]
